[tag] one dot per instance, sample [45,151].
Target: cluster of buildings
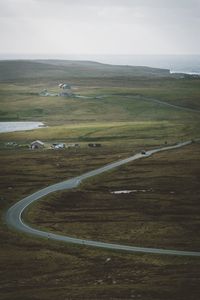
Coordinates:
[65,93]
[56,146]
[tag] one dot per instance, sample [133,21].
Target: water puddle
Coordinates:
[131,191]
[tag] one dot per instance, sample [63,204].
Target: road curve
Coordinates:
[14,214]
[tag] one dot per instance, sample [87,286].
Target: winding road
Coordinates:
[14,214]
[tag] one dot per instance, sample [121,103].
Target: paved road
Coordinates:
[14,214]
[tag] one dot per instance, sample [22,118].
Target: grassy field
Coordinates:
[22,102]
[118,94]
[119,114]
[111,133]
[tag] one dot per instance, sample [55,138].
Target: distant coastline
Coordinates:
[184,72]
[188,64]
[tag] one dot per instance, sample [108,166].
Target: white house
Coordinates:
[37,145]
[64,86]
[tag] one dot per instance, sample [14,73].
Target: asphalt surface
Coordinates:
[14,214]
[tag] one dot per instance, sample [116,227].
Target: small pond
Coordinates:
[19,126]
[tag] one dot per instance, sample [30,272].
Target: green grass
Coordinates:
[150,133]
[22,101]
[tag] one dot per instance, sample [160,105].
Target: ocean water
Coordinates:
[175,63]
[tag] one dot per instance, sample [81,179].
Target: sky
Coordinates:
[100,27]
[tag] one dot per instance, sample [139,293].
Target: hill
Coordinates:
[16,70]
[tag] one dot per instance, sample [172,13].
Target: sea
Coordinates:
[189,64]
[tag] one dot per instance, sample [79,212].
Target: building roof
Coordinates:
[64,86]
[37,142]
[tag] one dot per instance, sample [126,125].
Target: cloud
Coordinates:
[89,26]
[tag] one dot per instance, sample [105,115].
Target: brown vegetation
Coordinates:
[166,215]
[40,269]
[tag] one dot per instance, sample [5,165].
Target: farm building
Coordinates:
[57,146]
[94,145]
[72,146]
[37,145]
[64,86]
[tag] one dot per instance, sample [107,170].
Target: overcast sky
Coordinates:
[100,26]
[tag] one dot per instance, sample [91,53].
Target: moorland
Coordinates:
[126,109]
